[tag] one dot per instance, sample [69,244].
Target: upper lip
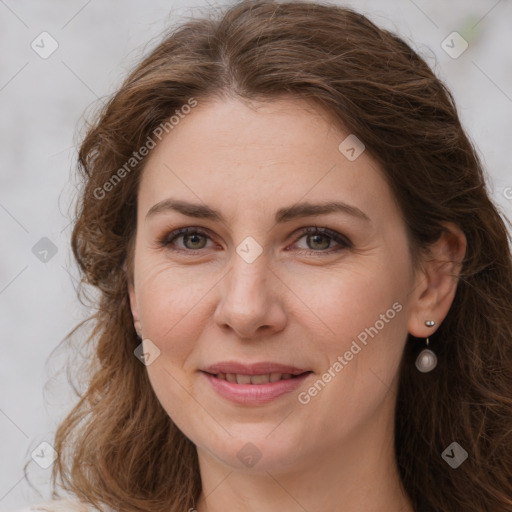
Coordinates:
[259,368]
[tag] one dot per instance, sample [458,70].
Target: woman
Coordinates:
[238,364]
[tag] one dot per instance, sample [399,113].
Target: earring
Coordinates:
[426,360]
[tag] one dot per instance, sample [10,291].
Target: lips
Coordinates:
[261,368]
[264,378]
[254,384]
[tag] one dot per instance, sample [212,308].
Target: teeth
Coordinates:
[243,379]
[260,379]
[253,379]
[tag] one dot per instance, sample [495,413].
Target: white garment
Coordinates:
[63,505]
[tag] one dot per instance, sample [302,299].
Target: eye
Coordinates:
[318,240]
[193,239]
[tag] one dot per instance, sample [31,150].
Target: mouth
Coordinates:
[254,384]
[264,378]
[226,368]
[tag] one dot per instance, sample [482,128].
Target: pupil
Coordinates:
[196,236]
[316,237]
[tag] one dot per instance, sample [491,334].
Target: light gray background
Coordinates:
[42,102]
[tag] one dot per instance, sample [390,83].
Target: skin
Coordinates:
[301,302]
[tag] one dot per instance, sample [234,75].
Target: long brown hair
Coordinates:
[118,447]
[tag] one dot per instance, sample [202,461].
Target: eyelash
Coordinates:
[344,242]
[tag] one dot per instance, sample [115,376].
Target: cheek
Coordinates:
[347,300]
[362,356]
[172,305]
[368,313]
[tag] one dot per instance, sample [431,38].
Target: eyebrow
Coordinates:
[282,215]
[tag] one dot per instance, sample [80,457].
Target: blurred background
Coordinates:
[58,60]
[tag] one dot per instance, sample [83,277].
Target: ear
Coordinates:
[436,281]
[133,307]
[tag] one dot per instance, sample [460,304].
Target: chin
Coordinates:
[248,452]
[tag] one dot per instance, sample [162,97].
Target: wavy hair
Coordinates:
[117,447]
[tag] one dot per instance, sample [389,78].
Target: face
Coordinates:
[265,284]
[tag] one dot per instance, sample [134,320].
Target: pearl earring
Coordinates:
[426,360]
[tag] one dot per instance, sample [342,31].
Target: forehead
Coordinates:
[250,156]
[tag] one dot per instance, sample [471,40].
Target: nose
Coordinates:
[249,303]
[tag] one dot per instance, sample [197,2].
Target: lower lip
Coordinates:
[254,394]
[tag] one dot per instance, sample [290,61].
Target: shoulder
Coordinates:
[63,505]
